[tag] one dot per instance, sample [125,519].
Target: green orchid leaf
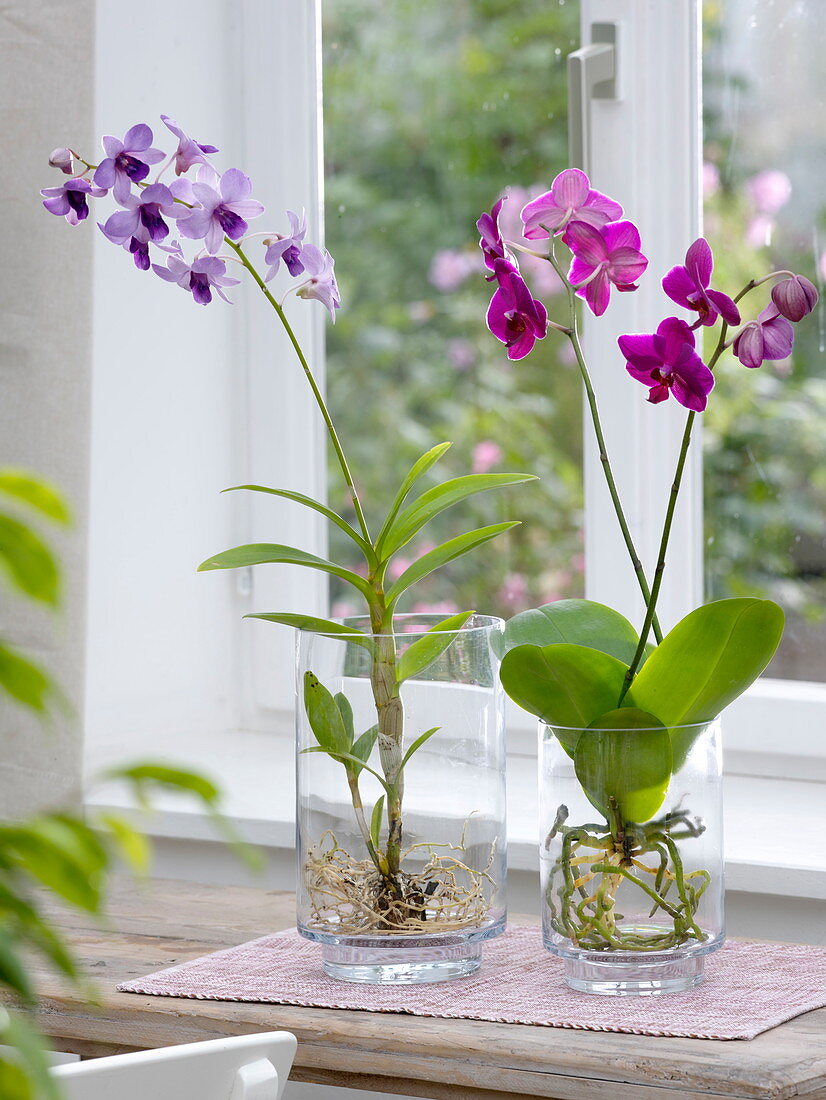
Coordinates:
[351,763]
[363,746]
[30,565]
[317,506]
[417,470]
[437,500]
[707,661]
[24,681]
[429,646]
[623,762]
[565,685]
[441,555]
[38,494]
[346,712]
[315,625]
[580,622]
[417,744]
[375,822]
[324,716]
[262,553]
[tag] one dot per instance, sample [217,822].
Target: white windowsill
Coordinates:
[774,827]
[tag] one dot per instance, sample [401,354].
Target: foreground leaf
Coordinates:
[16,1032]
[38,494]
[417,470]
[375,821]
[441,555]
[28,561]
[624,763]
[707,661]
[315,626]
[417,744]
[425,650]
[324,716]
[24,681]
[266,553]
[580,622]
[565,685]
[363,746]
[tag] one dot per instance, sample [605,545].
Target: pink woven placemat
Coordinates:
[749,988]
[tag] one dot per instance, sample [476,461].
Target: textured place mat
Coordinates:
[749,988]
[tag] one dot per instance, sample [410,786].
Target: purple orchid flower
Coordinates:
[141,222]
[688,286]
[602,257]
[321,283]
[189,151]
[62,158]
[288,248]
[127,161]
[769,337]
[571,198]
[795,297]
[514,316]
[667,363]
[223,210]
[491,242]
[201,277]
[69,200]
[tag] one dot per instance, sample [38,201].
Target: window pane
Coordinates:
[429,110]
[765,475]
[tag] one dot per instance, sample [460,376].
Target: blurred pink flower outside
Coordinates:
[514,592]
[769,191]
[342,609]
[450,268]
[438,607]
[821,265]
[398,564]
[759,231]
[486,454]
[711,179]
[461,353]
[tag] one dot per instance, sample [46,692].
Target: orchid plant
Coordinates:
[211,212]
[581,667]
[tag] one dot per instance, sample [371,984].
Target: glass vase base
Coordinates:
[634,978]
[400,966]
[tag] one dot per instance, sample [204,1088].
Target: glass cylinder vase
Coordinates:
[401,798]
[632,907]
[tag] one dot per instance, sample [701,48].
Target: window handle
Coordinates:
[592,74]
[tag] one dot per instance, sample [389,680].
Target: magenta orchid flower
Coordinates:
[771,336]
[571,198]
[491,242]
[688,285]
[142,221]
[223,207]
[667,363]
[69,201]
[189,152]
[287,248]
[200,278]
[602,257]
[321,283]
[514,316]
[127,161]
[795,297]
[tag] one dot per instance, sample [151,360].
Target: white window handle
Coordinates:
[592,74]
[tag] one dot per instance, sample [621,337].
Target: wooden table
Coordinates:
[173,921]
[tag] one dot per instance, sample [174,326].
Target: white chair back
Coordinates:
[245,1067]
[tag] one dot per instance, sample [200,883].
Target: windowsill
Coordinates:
[774,827]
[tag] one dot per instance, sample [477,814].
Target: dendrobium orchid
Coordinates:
[321,283]
[514,316]
[223,205]
[189,152]
[69,201]
[603,257]
[142,221]
[571,198]
[667,363]
[287,248]
[127,161]
[688,285]
[771,336]
[201,277]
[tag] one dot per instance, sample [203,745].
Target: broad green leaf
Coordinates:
[441,555]
[324,716]
[437,500]
[53,858]
[41,496]
[23,680]
[375,822]
[264,553]
[363,746]
[565,685]
[28,561]
[317,506]
[624,763]
[13,973]
[417,744]
[429,646]
[316,626]
[417,470]
[346,712]
[16,1032]
[580,622]
[707,661]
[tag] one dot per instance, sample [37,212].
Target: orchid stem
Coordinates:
[573,336]
[325,412]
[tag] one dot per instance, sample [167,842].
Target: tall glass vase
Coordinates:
[633,907]
[401,798]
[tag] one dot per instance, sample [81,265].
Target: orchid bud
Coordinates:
[62,159]
[795,297]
